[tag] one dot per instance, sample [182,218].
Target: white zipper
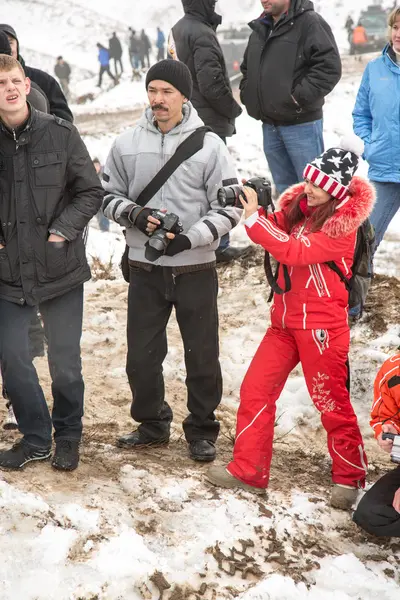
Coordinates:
[318,279]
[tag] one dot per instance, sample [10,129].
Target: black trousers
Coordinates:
[62,318]
[105,69]
[152,295]
[375,512]
[118,61]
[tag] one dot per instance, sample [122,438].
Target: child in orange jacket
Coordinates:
[379,510]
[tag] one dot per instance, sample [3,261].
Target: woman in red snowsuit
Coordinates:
[317,221]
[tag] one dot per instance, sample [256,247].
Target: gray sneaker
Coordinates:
[343,496]
[219,476]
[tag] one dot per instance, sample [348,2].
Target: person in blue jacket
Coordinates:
[376,120]
[104,60]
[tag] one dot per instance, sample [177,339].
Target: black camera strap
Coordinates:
[190,146]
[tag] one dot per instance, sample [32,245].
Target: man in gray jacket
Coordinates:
[185,276]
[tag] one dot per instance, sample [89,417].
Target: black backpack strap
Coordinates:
[192,144]
[272,278]
[332,265]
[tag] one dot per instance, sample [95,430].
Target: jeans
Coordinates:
[62,318]
[375,512]
[289,148]
[104,223]
[135,61]
[386,206]
[151,297]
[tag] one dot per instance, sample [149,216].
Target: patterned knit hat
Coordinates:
[334,169]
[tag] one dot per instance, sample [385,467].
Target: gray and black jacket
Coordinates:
[191,192]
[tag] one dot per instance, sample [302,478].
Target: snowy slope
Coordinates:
[72,27]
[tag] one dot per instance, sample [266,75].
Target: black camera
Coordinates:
[395,454]
[230,194]
[158,243]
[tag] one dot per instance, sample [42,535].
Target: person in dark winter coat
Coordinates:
[43,263]
[36,96]
[379,510]
[317,222]
[193,40]
[62,70]
[115,49]
[184,277]
[160,44]
[145,49]
[104,60]
[290,64]
[135,49]
[47,83]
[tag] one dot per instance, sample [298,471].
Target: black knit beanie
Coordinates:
[5,47]
[174,72]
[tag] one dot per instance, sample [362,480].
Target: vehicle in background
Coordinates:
[233,43]
[374,20]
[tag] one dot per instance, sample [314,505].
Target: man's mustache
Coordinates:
[158,107]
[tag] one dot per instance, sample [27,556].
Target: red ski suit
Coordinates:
[309,324]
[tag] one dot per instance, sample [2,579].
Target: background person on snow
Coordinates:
[145,49]
[160,44]
[48,85]
[104,60]
[62,70]
[317,222]
[115,50]
[291,63]
[379,510]
[375,120]
[193,41]
[42,263]
[185,277]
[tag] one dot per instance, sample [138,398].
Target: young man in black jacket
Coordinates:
[50,191]
[47,83]
[291,63]
[193,41]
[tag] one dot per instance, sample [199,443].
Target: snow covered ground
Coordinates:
[135,526]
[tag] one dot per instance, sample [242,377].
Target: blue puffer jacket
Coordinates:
[376,117]
[104,57]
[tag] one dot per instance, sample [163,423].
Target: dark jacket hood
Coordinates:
[203,10]
[8,30]
[5,47]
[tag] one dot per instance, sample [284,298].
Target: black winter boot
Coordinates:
[202,450]
[138,439]
[21,454]
[66,456]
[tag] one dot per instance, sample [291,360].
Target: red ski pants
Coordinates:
[323,354]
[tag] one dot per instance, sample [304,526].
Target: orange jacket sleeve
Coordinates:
[386,405]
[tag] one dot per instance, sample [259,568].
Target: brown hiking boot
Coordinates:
[219,476]
[343,496]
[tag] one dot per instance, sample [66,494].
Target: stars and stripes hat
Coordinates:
[334,169]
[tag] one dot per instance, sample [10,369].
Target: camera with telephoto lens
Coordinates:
[230,194]
[158,243]
[395,454]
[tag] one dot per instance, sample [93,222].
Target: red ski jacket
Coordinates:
[318,299]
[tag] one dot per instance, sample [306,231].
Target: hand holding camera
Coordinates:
[255,192]
[163,227]
[391,440]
